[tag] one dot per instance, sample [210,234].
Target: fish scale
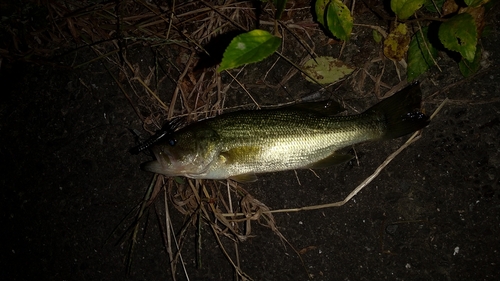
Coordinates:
[241,144]
[289,140]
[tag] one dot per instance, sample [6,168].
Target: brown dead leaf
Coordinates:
[72,29]
[449,7]
[397,43]
[332,41]
[306,249]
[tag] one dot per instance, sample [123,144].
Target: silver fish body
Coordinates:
[241,144]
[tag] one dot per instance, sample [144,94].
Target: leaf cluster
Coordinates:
[457,25]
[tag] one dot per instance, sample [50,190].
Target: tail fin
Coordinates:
[401,113]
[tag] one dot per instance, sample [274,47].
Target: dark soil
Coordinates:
[68,182]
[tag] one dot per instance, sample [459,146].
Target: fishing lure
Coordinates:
[167,132]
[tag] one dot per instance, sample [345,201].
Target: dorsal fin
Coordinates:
[323,108]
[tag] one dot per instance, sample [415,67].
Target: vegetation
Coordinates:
[458,30]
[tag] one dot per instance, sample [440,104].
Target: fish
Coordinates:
[240,145]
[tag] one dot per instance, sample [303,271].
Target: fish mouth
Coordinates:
[162,164]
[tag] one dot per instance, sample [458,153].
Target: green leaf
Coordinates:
[475,3]
[326,70]
[459,34]
[406,8]
[420,54]
[490,5]
[469,68]
[339,20]
[377,36]
[179,180]
[280,6]
[249,47]
[320,8]
[334,16]
[429,5]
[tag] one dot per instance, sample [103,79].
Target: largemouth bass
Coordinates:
[241,144]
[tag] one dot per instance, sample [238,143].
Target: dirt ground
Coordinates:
[69,183]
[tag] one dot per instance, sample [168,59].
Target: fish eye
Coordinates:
[172,142]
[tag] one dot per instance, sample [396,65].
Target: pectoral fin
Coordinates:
[240,154]
[322,108]
[329,161]
[250,177]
